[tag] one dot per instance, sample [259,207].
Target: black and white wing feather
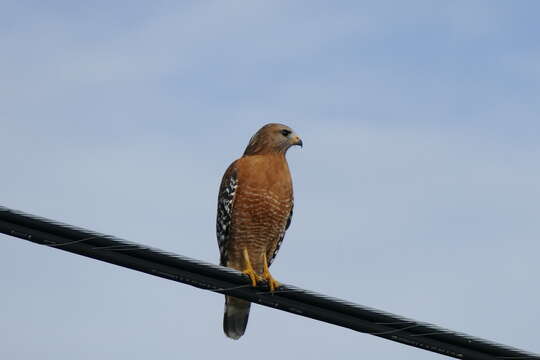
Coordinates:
[227,192]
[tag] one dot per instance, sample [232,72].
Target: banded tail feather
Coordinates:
[236,317]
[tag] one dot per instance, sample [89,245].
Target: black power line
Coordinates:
[226,281]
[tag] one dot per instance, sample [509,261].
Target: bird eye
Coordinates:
[285,132]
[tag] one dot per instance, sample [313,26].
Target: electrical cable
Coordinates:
[230,282]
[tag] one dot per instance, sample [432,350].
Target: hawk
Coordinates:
[255,206]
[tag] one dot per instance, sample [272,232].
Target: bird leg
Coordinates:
[272,283]
[249,271]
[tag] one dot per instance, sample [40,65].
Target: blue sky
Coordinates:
[417,191]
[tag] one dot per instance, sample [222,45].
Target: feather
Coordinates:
[224,212]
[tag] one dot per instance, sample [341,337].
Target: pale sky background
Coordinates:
[417,191]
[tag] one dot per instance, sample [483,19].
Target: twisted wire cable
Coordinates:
[230,282]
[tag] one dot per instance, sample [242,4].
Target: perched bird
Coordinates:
[255,206]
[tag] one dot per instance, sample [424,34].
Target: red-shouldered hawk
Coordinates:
[255,207]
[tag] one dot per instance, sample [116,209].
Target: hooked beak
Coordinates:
[298,141]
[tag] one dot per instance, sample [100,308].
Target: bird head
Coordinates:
[272,138]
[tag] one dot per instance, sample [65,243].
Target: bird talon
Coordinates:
[249,271]
[252,276]
[272,283]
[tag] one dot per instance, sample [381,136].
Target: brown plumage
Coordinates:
[255,207]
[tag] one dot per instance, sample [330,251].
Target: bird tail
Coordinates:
[236,317]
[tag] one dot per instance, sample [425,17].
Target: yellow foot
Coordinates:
[253,276]
[273,284]
[270,281]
